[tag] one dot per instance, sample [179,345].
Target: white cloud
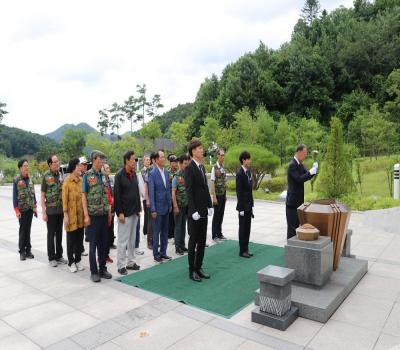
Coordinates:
[62,62]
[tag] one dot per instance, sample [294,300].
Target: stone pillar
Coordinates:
[312,260]
[275,304]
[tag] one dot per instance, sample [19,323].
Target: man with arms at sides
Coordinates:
[97,213]
[160,207]
[218,192]
[52,211]
[179,201]
[245,203]
[127,208]
[296,176]
[24,201]
[199,206]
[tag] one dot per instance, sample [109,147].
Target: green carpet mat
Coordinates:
[231,286]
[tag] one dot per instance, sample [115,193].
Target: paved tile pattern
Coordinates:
[42,307]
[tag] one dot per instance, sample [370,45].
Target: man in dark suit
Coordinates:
[199,206]
[296,176]
[160,206]
[245,203]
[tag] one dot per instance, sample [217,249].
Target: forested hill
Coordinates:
[335,64]
[57,134]
[15,143]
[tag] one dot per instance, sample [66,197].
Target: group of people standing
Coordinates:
[86,201]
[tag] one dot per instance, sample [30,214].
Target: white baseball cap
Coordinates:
[82,160]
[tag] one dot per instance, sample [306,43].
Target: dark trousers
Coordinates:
[146,217]
[292,221]
[171,225]
[25,224]
[98,236]
[160,234]
[74,242]
[137,239]
[197,241]
[110,234]
[180,228]
[244,231]
[54,236]
[218,217]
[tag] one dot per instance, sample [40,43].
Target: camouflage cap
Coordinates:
[97,154]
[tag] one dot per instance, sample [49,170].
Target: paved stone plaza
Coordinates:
[51,308]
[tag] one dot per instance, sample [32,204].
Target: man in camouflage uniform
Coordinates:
[97,213]
[52,211]
[218,192]
[179,200]
[172,170]
[24,201]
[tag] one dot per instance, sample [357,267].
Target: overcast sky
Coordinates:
[60,62]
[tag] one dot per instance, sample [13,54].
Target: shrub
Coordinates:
[276,184]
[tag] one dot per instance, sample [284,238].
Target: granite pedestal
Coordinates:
[312,260]
[319,303]
[275,309]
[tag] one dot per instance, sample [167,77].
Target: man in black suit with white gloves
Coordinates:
[245,203]
[199,207]
[296,176]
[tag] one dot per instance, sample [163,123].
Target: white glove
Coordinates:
[313,170]
[315,165]
[210,211]
[241,213]
[196,216]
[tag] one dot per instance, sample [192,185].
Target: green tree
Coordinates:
[245,126]
[104,122]
[263,161]
[118,148]
[180,133]
[151,130]
[284,144]
[116,117]
[3,111]
[265,127]
[94,141]
[209,132]
[392,106]
[311,133]
[335,179]
[310,11]
[142,103]
[130,108]
[154,106]
[72,143]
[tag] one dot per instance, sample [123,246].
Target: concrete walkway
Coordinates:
[46,307]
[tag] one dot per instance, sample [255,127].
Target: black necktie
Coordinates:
[202,170]
[248,175]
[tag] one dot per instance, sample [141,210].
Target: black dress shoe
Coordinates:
[135,267]
[95,277]
[113,246]
[202,274]
[222,237]
[245,255]
[185,250]
[251,254]
[194,276]
[22,256]
[105,274]
[179,251]
[158,259]
[165,257]
[123,271]
[29,255]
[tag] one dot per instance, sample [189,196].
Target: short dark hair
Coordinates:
[183,157]
[219,151]
[157,154]
[243,156]
[128,155]
[192,145]
[97,154]
[21,162]
[50,159]
[72,164]
[300,147]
